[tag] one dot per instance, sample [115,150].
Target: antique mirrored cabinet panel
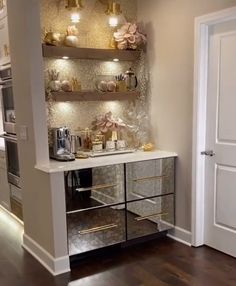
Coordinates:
[95,228]
[150,196]
[113,204]
[95,187]
[149,216]
[150,178]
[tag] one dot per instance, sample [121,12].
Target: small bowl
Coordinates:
[105,83]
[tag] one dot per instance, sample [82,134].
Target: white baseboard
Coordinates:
[181,235]
[12,215]
[55,266]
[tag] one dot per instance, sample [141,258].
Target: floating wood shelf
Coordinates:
[88,53]
[94,96]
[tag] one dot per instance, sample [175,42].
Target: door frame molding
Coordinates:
[202,25]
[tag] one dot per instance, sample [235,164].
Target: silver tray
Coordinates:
[108,153]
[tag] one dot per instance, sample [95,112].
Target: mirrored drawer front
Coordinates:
[96,187]
[150,216]
[94,229]
[150,178]
[112,178]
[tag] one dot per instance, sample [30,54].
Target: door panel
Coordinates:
[220,170]
[225,192]
[227,86]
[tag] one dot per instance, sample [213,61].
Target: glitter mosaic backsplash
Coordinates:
[87,71]
[80,114]
[94,32]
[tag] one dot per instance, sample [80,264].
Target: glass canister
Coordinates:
[98,143]
[97,146]
[131,80]
[86,139]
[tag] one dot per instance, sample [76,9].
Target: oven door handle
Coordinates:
[9,138]
[5,82]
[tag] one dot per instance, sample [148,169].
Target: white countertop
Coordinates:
[79,164]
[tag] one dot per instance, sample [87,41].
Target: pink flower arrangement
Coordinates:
[72,30]
[109,123]
[129,37]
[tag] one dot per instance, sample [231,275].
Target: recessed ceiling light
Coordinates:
[65,58]
[116,60]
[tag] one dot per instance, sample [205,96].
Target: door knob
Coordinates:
[208,153]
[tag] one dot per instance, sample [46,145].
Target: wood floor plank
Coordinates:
[161,262]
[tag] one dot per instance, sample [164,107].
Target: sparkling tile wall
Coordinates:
[94,32]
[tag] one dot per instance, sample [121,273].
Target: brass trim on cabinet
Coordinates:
[150,178]
[97,229]
[141,218]
[97,187]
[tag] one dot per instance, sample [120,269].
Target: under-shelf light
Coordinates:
[65,58]
[74,6]
[114,12]
[75,18]
[113,21]
[116,60]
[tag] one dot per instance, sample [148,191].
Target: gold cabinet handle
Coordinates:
[1,5]
[6,50]
[150,178]
[97,187]
[97,229]
[141,218]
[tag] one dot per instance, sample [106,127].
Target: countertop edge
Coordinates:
[58,167]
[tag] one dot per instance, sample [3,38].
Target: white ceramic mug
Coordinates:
[120,144]
[110,145]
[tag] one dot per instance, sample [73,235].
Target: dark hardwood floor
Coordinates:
[163,262]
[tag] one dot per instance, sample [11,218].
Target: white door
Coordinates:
[220,188]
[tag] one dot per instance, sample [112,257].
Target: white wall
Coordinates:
[170,28]
[43,194]
[22,54]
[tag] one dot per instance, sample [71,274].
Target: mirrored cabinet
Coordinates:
[114,204]
[150,178]
[96,228]
[149,216]
[95,187]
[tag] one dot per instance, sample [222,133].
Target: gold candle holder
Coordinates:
[74,4]
[116,8]
[113,8]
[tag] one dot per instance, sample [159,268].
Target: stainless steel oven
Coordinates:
[8,109]
[5,72]
[13,174]
[9,126]
[13,169]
